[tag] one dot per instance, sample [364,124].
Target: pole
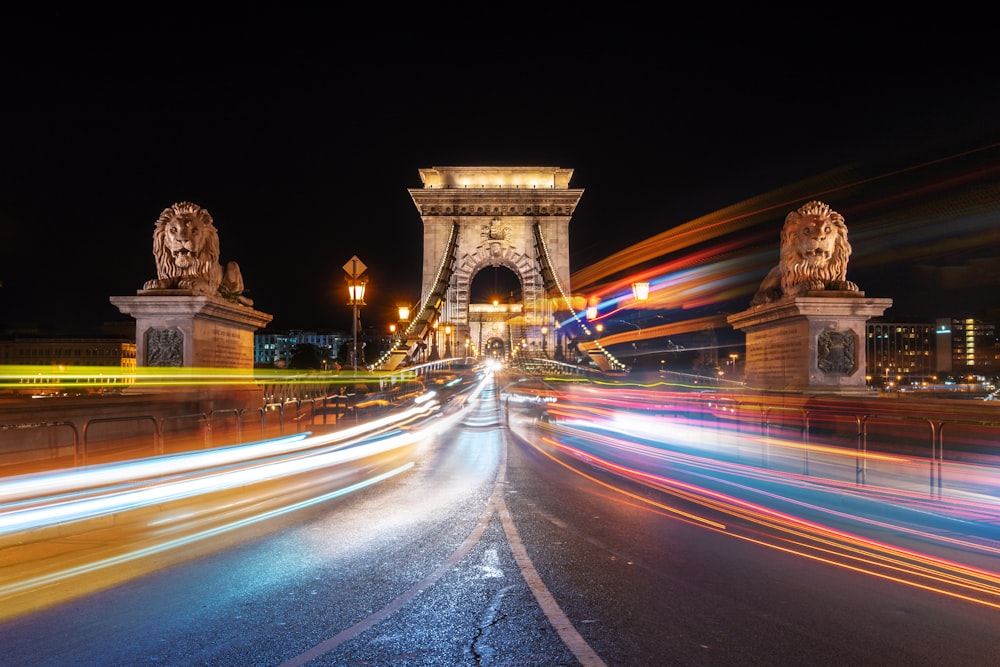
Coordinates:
[354,328]
[356,301]
[354,322]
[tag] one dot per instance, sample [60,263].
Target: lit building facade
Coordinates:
[276,349]
[949,350]
[68,352]
[900,353]
[974,349]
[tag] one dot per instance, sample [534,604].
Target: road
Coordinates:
[507,542]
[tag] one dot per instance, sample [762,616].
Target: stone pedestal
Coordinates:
[809,344]
[175,328]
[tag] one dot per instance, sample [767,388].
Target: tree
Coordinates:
[306,356]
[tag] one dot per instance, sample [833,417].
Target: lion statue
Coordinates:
[186,250]
[814,254]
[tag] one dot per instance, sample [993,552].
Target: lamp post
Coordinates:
[447,341]
[435,355]
[545,344]
[356,289]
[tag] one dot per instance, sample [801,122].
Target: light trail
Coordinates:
[26,585]
[76,539]
[34,485]
[776,508]
[112,501]
[35,501]
[495,506]
[61,376]
[921,212]
[951,191]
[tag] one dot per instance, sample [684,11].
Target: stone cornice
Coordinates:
[494,177]
[831,303]
[495,201]
[183,303]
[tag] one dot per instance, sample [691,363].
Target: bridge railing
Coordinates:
[929,433]
[932,432]
[36,444]
[944,436]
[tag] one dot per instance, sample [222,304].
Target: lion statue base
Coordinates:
[813,256]
[186,251]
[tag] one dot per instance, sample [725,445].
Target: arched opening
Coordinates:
[495,310]
[495,283]
[495,348]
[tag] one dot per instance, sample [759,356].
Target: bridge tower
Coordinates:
[479,217]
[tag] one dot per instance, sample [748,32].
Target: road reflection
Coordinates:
[800,498]
[74,532]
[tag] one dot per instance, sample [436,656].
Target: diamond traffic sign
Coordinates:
[354,267]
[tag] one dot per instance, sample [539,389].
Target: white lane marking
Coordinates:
[359,627]
[490,565]
[570,637]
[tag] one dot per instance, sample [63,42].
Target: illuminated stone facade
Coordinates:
[514,217]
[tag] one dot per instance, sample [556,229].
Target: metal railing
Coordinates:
[40,446]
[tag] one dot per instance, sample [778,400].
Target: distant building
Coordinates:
[68,352]
[973,347]
[900,352]
[911,353]
[276,349]
[116,347]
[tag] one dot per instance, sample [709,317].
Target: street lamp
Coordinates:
[545,346]
[356,290]
[404,317]
[640,291]
[447,341]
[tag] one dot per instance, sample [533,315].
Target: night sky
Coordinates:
[302,144]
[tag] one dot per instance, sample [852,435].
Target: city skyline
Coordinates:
[304,159]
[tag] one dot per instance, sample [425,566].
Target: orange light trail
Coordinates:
[636,447]
[808,539]
[715,274]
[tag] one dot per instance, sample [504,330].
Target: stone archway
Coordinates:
[495,348]
[478,217]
